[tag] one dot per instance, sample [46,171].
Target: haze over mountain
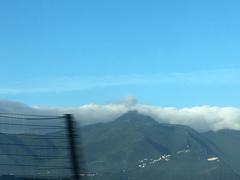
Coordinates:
[201,118]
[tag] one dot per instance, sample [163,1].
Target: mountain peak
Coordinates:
[134,116]
[132,112]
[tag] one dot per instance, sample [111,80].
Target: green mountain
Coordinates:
[229,143]
[133,146]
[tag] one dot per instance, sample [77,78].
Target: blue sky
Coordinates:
[166,53]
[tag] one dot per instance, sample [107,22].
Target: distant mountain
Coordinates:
[229,143]
[133,146]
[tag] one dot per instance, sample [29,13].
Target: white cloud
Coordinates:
[202,118]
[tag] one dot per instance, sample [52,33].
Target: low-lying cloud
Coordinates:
[201,118]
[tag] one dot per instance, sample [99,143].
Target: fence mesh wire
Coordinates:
[35,146]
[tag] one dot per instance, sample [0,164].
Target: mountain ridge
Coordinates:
[135,146]
[135,138]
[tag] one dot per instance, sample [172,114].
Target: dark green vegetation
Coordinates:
[229,143]
[133,146]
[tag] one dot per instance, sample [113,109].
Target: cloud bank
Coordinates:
[201,118]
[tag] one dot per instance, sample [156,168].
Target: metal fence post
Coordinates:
[71,129]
